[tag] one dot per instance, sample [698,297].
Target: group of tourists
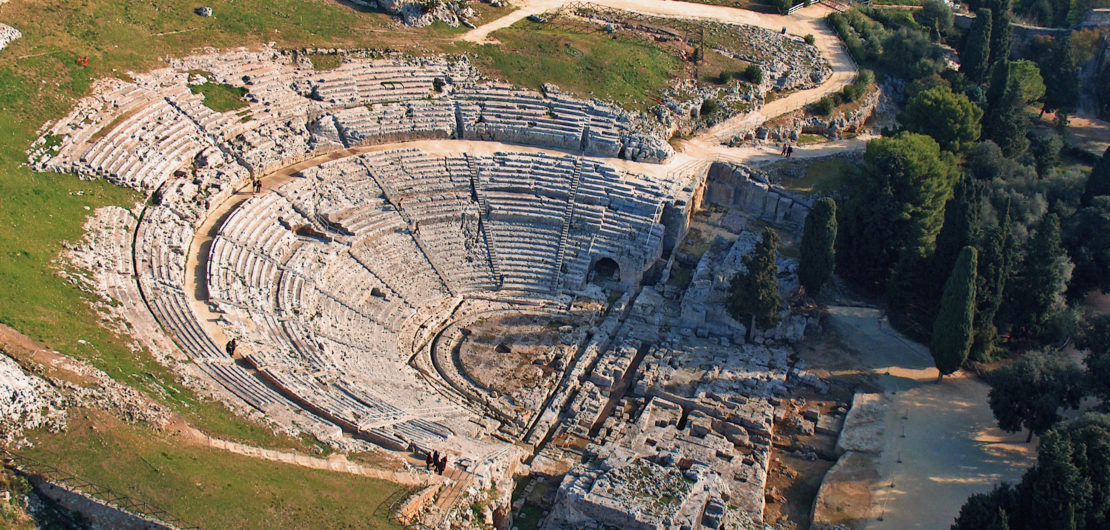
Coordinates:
[787,150]
[436,461]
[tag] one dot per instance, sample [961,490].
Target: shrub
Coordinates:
[753,74]
[809,39]
[710,106]
[824,106]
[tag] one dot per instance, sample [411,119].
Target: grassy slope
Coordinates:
[629,71]
[210,488]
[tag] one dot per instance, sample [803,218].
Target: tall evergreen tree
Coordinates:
[975,54]
[1005,121]
[1061,77]
[914,296]
[1088,244]
[960,229]
[1099,181]
[818,246]
[1002,34]
[1040,282]
[987,511]
[754,292]
[896,206]
[994,269]
[952,331]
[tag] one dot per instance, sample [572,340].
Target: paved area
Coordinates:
[941,442]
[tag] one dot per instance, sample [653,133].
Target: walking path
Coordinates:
[941,442]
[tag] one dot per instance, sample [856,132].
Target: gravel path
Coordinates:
[941,442]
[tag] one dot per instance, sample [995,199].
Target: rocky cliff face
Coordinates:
[26,402]
[834,126]
[423,13]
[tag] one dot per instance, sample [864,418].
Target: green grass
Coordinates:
[629,71]
[220,97]
[326,62]
[811,139]
[822,176]
[212,488]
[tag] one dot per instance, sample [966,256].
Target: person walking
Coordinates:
[789,151]
[784,147]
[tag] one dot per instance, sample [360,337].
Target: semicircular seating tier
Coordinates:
[321,276]
[137,132]
[332,279]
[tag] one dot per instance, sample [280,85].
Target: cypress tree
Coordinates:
[1061,78]
[1002,34]
[976,52]
[1041,280]
[754,292]
[1005,121]
[1099,181]
[961,220]
[994,269]
[952,331]
[818,247]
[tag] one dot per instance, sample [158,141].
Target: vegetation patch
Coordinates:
[208,487]
[822,176]
[628,71]
[220,97]
[326,62]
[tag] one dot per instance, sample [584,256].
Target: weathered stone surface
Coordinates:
[7,35]
[865,425]
[26,402]
[843,500]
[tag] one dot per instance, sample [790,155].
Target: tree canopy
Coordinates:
[1005,121]
[1040,281]
[1030,392]
[1068,487]
[994,268]
[976,52]
[952,332]
[818,246]
[1061,76]
[1099,181]
[949,118]
[754,291]
[896,205]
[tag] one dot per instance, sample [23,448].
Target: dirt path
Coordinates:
[941,442]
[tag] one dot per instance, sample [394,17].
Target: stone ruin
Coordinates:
[26,402]
[421,13]
[7,35]
[353,281]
